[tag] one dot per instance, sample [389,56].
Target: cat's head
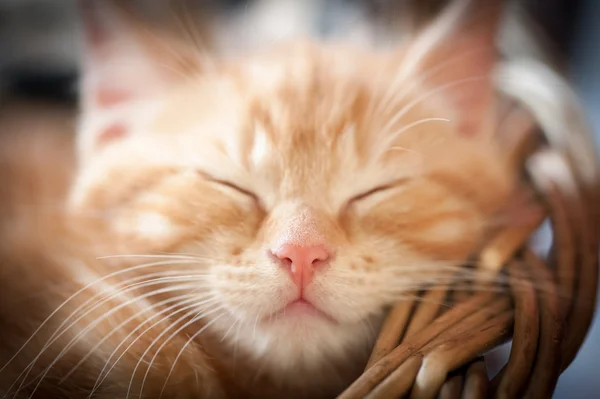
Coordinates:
[304,189]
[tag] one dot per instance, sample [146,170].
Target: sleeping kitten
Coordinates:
[236,227]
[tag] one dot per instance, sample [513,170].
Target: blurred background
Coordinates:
[39,55]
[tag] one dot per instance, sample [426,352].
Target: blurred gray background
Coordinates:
[582,379]
[39,55]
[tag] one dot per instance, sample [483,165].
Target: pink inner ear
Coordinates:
[111,133]
[106,98]
[107,37]
[470,55]
[469,82]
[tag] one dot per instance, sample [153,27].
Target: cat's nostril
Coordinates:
[302,261]
[317,260]
[301,255]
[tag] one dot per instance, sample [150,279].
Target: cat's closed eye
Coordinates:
[369,193]
[231,186]
[381,189]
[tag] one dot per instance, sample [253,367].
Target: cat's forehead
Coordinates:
[316,110]
[311,99]
[303,117]
[287,99]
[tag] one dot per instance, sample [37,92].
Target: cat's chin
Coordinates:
[305,344]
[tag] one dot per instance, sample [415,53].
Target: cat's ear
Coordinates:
[125,62]
[457,54]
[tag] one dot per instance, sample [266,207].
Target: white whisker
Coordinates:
[123,324]
[235,322]
[194,336]
[194,319]
[391,97]
[404,110]
[194,305]
[80,291]
[90,327]
[126,289]
[254,328]
[388,141]
[430,38]
[151,256]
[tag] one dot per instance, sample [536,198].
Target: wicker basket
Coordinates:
[426,350]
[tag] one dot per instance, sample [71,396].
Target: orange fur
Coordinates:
[308,143]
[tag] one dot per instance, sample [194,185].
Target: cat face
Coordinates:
[306,188]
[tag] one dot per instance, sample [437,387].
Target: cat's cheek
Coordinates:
[150,229]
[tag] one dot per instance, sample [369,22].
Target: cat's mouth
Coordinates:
[299,308]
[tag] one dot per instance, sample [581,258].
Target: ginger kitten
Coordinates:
[237,227]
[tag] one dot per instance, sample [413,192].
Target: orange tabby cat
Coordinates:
[236,228]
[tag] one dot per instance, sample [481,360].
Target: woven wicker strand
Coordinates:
[426,350]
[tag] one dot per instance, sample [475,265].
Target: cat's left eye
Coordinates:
[231,186]
[237,188]
[378,190]
[369,193]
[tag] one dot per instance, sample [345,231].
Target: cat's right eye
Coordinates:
[379,189]
[232,186]
[364,201]
[237,188]
[369,193]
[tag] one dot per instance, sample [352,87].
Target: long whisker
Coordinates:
[131,287]
[95,323]
[391,97]
[127,286]
[457,285]
[194,336]
[464,275]
[114,274]
[192,255]
[431,36]
[154,256]
[196,40]
[174,334]
[177,299]
[254,327]
[426,95]
[179,320]
[236,321]
[60,331]
[130,301]
[57,333]
[194,305]
[388,141]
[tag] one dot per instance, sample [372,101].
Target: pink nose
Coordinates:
[302,261]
